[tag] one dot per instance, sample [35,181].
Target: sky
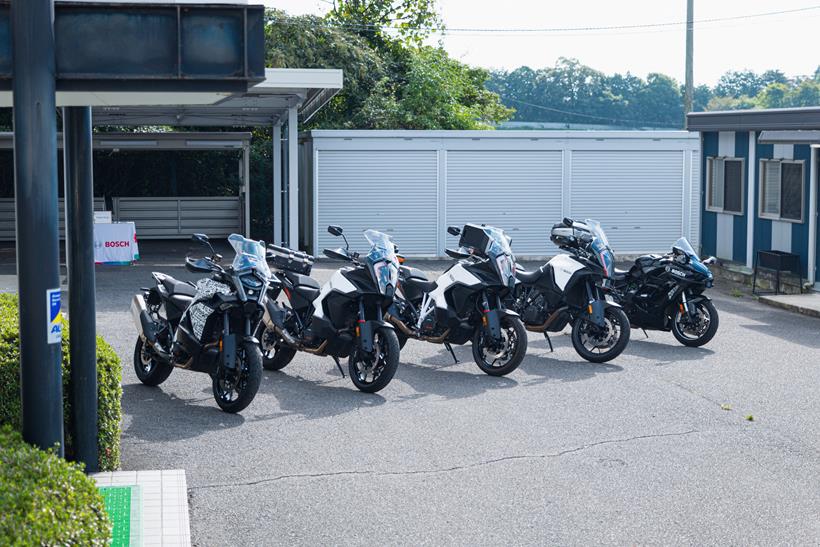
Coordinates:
[787,42]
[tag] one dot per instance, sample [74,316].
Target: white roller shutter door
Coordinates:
[395,192]
[518,191]
[636,195]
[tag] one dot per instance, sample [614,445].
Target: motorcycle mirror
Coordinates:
[217,257]
[567,222]
[454,230]
[203,240]
[335,230]
[710,260]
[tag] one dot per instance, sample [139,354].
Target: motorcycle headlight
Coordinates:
[506,269]
[251,282]
[387,276]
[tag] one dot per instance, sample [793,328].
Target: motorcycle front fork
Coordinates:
[491,318]
[364,330]
[228,343]
[686,307]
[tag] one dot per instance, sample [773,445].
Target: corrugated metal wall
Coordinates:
[8,230]
[395,192]
[488,186]
[643,186]
[635,195]
[173,218]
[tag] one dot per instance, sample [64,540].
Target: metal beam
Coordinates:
[246,178]
[293,178]
[35,190]
[79,204]
[277,183]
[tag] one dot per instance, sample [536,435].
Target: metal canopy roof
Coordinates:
[264,103]
[172,140]
[789,137]
[755,120]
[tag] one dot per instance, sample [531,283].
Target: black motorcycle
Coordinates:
[344,318]
[466,302]
[574,289]
[666,293]
[207,327]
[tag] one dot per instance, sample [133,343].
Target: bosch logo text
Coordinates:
[117,243]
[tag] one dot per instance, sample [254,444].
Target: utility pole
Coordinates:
[690,86]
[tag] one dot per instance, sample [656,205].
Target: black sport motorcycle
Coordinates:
[574,289]
[466,302]
[344,318]
[666,293]
[207,327]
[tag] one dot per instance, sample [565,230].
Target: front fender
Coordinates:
[508,313]
[700,298]
[366,331]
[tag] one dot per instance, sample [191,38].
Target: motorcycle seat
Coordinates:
[177,287]
[421,284]
[302,281]
[619,275]
[406,272]
[528,278]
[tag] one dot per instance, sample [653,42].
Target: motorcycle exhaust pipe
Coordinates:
[399,324]
[146,327]
[550,320]
[288,338]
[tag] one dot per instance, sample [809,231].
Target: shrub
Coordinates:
[109,390]
[46,500]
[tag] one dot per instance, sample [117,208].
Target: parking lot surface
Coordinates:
[664,445]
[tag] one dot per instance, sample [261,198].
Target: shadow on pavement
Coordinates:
[450,384]
[548,369]
[771,321]
[149,408]
[313,400]
[664,353]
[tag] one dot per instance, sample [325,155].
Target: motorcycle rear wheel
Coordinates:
[233,396]
[277,355]
[585,334]
[149,370]
[515,342]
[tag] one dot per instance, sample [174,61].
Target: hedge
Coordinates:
[46,500]
[109,390]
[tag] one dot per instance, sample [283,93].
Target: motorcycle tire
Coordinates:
[388,347]
[707,335]
[518,352]
[282,354]
[252,364]
[149,371]
[402,339]
[616,315]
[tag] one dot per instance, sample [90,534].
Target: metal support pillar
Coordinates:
[246,179]
[293,178]
[277,183]
[35,190]
[813,182]
[79,199]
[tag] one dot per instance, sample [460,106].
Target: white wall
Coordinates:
[643,186]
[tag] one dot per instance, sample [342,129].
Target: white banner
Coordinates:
[115,243]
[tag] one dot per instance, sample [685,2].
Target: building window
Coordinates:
[781,190]
[724,185]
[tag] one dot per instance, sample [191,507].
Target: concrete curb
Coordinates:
[780,302]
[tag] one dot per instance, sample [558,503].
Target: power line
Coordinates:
[550,30]
[591,117]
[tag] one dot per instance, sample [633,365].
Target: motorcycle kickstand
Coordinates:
[644,332]
[338,365]
[547,336]
[450,349]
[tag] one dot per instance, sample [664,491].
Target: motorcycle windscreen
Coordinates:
[250,254]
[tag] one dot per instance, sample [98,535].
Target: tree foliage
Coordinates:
[380,20]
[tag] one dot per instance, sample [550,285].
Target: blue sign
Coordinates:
[55,317]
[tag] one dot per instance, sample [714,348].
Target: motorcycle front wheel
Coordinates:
[601,344]
[275,354]
[149,370]
[699,330]
[501,360]
[372,372]
[234,394]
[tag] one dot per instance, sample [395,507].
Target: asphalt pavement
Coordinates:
[664,445]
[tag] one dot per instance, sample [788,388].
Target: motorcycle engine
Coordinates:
[535,312]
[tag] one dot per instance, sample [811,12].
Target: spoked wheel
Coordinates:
[275,354]
[150,371]
[698,330]
[372,372]
[234,390]
[500,359]
[601,344]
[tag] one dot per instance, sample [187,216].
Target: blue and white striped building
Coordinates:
[759,183]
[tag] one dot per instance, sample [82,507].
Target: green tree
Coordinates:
[773,96]
[807,93]
[380,20]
